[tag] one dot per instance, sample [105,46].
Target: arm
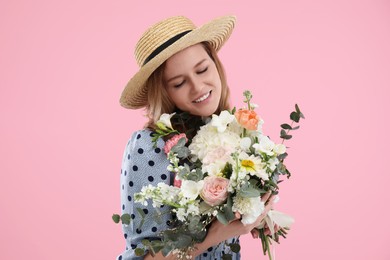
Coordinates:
[219,232]
[142,164]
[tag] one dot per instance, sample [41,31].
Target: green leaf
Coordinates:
[227,257]
[139,251]
[141,212]
[145,242]
[126,219]
[166,250]
[234,110]
[295,128]
[301,115]
[286,126]
[297,109]
[229,215]
[116,218]
[282,133]
[183,241]
[235,247]
[294,116]
[249,192]
[221,218]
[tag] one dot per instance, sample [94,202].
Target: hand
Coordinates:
[236,227]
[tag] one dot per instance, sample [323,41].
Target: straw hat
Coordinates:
[163,40]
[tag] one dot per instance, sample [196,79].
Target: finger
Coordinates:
[266,196]
[255,233]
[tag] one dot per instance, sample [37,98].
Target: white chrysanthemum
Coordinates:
[250,163]
[265,145]
[280,149]
[249,208]
[191,189]
[208,139]
[221,121]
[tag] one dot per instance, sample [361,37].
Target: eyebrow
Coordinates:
[178,76]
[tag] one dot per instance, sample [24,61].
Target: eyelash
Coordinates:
[200,72]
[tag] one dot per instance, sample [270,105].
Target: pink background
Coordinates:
[63,65]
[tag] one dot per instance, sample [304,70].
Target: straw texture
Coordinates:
[216,32]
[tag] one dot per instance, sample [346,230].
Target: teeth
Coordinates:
[203,97]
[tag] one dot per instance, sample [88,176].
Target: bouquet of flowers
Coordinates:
[224,169]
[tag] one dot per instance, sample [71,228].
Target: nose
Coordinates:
[196,84]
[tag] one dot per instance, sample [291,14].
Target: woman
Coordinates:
[179,71]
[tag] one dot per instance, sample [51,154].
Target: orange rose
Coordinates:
[247,119]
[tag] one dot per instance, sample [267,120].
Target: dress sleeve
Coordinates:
[142,164]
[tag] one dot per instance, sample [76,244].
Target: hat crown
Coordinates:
[158,34]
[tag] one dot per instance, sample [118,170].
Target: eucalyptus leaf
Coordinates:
[125,219]
[221,218]
[297,109]
[227,257]
[294,116]
[166,250]
[116,218]
[249,192]
[183,241]
[229,215]
[235,247]
[295,128]
[286,126]
[145,242]
[141,212]
[139,251]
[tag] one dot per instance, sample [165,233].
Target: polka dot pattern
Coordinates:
[142,165]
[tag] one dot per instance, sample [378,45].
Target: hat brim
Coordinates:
[216,32]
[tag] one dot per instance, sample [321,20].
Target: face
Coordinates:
[192,81]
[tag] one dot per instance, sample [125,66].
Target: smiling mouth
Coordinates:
[205,96]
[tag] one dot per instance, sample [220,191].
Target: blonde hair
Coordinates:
[158,98]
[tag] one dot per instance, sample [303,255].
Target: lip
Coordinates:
[208,92]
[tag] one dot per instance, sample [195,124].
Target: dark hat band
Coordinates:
[164,46]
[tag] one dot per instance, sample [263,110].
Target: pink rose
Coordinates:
[214,190]
[247,119]
[173,141]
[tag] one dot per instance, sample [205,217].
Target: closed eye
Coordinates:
[179,85]
[200,72]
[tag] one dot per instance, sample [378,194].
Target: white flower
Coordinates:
[209,139]
[249,208]
[191,189]
[221,121]
[213,169]
[265,146]
[180,214]
[245,143]
[272,163]
[220,153]
[250,163]
[165,119]
[280,149]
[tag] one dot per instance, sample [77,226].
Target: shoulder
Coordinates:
[141,142]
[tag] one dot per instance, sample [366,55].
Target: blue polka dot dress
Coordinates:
[143,164]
